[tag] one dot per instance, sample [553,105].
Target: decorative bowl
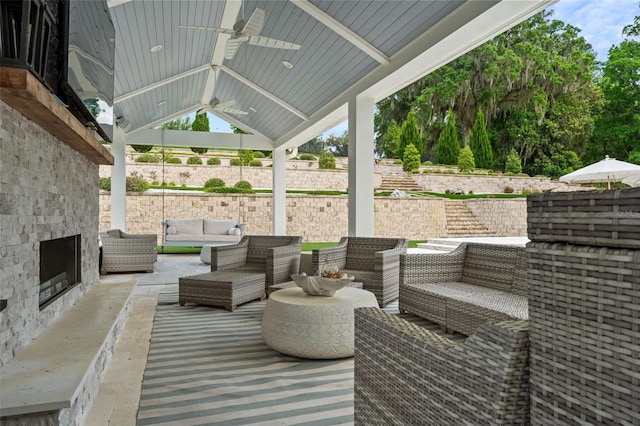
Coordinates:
[314,285]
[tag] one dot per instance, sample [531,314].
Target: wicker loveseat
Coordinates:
[466,287]
[372,261]
[405,374]
[275,256]
[123,252]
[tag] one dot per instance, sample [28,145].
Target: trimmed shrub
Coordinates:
[235,162]
[480,144]
[255,163]
[136,184]
[174,160]
[194,159]
[199,150]
[142,148]
[508,190]
[397,162]
[214,183]
[243,184]
[213,161]
[513,164]
[245,156]
[307,157]
[105,184]
[466,161]
[148,158]
[326,160]
[411,158]
[230,190]
[258,154]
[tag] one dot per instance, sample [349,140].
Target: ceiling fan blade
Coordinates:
[196,27]
[231,48]
[272,42]
[234,111]
[255,23]
[225,104]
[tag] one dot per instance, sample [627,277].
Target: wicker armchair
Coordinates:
[373,261]
[122,252]
[405,374]
[276,256]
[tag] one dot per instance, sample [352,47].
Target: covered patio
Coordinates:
[351,55]
[325,62]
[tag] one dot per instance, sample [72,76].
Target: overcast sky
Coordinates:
[600,22]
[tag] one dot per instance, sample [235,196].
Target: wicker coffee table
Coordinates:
[316,327]
[220,288]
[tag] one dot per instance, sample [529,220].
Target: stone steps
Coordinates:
[397,181]
[461,222]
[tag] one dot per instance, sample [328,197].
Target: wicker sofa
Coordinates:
[275,256]
[123,252]
[466,287]
[200,232]
[372,261]
[405,374]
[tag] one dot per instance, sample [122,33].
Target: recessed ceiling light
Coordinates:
[287,64]
[252,109]
[162,102]
[156,48]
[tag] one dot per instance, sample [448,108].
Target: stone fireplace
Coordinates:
[48,191]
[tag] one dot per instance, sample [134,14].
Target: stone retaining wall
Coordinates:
[306,175]
[315,218]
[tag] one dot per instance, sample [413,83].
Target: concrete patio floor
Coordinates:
[119,394]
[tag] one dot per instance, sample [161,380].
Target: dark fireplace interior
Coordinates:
[60,267]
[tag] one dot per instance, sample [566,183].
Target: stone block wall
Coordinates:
[315,218]
[299,175]
[507,217]
[47,191]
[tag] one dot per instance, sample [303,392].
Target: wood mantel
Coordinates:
[25,93]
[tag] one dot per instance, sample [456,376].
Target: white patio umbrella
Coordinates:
[607,170]
[632,181]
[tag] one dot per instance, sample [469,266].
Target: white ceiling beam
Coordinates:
[183,138]
[114,3]
[343,31]
[263,92]
[161,83]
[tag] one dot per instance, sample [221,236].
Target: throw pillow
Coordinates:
[171,230]
[234,231]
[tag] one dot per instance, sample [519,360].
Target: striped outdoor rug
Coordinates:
[207,366]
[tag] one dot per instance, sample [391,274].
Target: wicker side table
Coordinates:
[221,288]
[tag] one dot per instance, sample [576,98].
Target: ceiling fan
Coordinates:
[247,31]
[215,105]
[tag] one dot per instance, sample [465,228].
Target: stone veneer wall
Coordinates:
[47,190]
[315,218]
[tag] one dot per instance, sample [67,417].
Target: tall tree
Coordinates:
[618,127]
[480,144]
[183,123]
[409,135]
[448,146]
[541,71]
[390,145]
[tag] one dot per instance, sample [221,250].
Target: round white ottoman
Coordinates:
[318,327]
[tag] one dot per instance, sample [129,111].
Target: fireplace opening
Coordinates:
[60,267]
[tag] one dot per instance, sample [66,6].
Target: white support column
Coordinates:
[361,182]
[118,183]
[279,196]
